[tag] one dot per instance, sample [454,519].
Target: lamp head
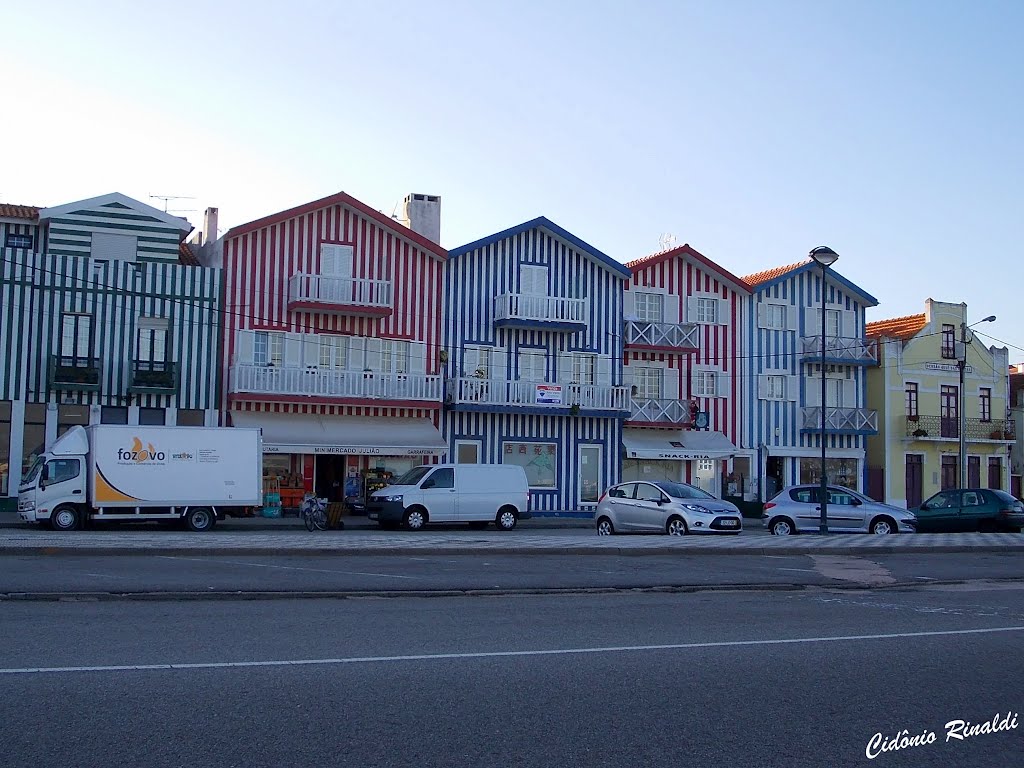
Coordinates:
[824,255]
[989,319]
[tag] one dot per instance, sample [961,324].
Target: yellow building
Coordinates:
[917,392]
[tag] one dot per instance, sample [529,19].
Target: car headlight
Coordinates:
[698,508]
[390,498]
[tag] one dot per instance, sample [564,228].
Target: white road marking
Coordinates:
[803,570]
[284,567]
[504,654]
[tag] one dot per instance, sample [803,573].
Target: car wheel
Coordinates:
[782,526]
[200,519]
[507,518]
[414,519]
[64,519]
[676,526]
[883,526]
[605,527]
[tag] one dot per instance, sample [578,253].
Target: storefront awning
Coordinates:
[307,433]
[684,445]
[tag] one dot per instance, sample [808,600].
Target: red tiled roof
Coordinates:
[646,261]
[186,256]
[905,327]
[8,211]
[770,274]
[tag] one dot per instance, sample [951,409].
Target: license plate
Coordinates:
[729,523]
[372,516]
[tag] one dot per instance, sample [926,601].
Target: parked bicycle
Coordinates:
[314,512]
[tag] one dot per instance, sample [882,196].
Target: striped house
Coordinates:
[112,325]
[788,356]
[332,342]
[533,342]
[683,328]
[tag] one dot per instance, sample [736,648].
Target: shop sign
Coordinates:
[350,450]
[549,394]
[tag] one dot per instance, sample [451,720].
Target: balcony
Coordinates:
[473,394]
[154,377]
[648,412]
[838,350]
[661,337]
[550,313]
[944,428]
[291,384]
[339,295]
[74,374]
[843,421]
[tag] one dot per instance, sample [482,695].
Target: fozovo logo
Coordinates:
[140,454]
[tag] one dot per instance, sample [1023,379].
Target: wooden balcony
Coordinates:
[648,412]
[838,350]
[550,313]
[470,393]
[943,428]
[339,295]
[680,338]
[845,421]
[154,377]
[74,374]
[293,384]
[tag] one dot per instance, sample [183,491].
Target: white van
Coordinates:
[477,494]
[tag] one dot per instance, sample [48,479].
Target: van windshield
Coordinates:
[413,476]
[33,471]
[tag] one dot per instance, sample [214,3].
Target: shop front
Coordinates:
[701,458]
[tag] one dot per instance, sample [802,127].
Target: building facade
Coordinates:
[533,342]
[787,357]
[108,321]
[916,390]
[1017,415]
[683,331]
[332,342]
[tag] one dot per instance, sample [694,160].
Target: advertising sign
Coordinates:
[549,394]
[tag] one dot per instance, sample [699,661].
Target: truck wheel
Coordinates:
[200,519]
[64,519]
[506,519]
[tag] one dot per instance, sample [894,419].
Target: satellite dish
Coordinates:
[667,241]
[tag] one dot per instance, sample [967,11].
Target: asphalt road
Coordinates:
[628,679]
[206,574]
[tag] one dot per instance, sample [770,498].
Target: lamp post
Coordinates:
[961,364]
[825,258]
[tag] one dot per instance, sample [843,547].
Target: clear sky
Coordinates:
[890,131]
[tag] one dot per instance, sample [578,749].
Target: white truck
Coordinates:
[137,473]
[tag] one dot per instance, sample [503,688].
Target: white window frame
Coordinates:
[705,384]
[395,355]
[584,368]
[707,310]
[334,351]
[477,445]
[151,339]
[649,307]
[775,317]
[268,348]
[644,377]
[73,344]
[775,386]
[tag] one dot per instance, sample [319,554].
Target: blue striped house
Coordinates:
[787,358]
[108,319]
[532,354]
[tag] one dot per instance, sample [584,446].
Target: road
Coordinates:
[625,679]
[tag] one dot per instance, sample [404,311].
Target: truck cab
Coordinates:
[54,490]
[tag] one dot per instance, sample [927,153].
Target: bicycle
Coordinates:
[314,512]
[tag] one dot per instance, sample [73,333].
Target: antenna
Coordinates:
[167,198]
[666,241]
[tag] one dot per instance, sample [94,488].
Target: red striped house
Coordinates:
[331,334]
[684,364]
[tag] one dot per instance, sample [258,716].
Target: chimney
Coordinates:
[422,214]
[210,226]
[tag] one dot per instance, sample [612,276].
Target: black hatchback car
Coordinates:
[970,509]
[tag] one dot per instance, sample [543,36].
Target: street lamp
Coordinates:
[961,364]
[825,257]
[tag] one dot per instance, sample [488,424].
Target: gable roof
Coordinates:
[685,250]
[186,256]
[544,223]
[905,328]
[10,211]
[116,199]
[340,198]
[778,274]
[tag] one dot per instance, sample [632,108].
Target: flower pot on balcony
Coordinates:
[920,433]
[574,409]
[997,434]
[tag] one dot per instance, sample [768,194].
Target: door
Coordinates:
[533,285]
[650,514]
[705,476]
[940,513]
[590,474]
[62,481]
[845,511]
[532,371]
[950,471]
[915,480]
[949,413]
[974,471]
[439,497]
[995,473]
[973,510]
[624,505]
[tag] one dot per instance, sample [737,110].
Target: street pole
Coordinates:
[823,524]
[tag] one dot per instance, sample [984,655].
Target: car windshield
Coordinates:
[683,491]
[413,476]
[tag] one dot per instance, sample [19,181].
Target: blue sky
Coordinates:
[753,131]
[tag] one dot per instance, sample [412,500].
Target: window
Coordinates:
[76,336]
[776,387]
[583,367]
[949,411]
[647,492]
[705,384]
[188,417]
[268,348]
[467,452]
[832,322]
[151,340]
[625,491]
[395,356]
[986,404]
[707,311]
[948,342]
[442,478]
[61,470]
[114,414]
[775,316]
[334,351]
[649,307]
[538,459]
[648,383]
[18,241]
[972,499]
[110,247]
[152,416]
[69,416]
[483,362]
[910,399]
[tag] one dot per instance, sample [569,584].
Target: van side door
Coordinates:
[439,496]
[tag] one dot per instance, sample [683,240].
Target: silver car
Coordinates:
[796,510]
[664,507]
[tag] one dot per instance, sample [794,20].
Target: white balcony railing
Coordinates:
[474,391]
[312,382]
[674,335]
[840,419]
[659,411]
[352,291]
[839,348]
[545,309]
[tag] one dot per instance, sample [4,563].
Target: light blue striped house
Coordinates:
[533,349]
[785,361]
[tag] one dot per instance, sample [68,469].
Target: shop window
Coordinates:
[152,416]
[69,416]
[191,418]
[35,435]
[538,459]
[5,446]
[114,414]
[840,472]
